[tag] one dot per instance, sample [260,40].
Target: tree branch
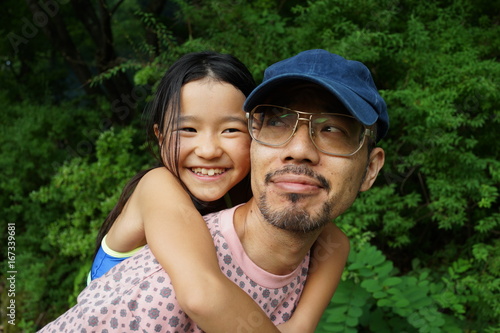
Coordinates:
[113,10]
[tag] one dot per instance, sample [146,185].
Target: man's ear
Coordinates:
[375,163]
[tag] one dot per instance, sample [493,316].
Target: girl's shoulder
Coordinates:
[159,172]
[160,175]
[161,184]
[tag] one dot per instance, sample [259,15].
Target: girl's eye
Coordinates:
[187,129]
[231,130]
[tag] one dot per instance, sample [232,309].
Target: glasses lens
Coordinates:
[334,134]
[272,125]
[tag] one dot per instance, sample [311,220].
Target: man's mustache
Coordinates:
[299,170]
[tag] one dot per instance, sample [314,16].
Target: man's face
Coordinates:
[298,188]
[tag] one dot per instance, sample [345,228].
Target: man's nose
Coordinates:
[301,148]
[208,147]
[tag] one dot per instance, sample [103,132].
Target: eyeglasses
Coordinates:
[331,133]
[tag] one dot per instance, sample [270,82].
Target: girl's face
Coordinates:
[214,140]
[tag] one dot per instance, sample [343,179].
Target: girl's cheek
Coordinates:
[243,156]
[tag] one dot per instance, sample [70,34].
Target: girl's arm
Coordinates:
[181,242]
[329,255]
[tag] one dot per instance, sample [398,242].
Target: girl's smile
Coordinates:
[208,171]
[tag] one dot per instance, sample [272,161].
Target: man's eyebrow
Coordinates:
[337,108]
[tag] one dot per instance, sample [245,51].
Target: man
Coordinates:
[314,122]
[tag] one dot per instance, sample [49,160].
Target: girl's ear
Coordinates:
[158,135]
[375,163]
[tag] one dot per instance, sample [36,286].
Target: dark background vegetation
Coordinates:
[74,79]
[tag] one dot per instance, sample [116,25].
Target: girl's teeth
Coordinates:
[207,172]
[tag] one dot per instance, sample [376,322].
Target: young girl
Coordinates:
[198,124]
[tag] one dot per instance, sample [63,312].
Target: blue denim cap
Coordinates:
[350,81]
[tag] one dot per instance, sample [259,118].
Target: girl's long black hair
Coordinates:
[163,113]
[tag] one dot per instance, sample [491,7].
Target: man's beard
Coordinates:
[294,218]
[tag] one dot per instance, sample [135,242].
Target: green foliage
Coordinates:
[35,140]
[374,297]
[254,31]
[87,191]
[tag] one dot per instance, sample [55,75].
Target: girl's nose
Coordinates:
[208,148]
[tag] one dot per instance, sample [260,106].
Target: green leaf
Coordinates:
[401,303]
[392,281]
[384,302]
[354,311]
[351,321]
[371,285]
[379,294]
[336,314]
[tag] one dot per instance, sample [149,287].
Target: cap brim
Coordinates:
[355,104]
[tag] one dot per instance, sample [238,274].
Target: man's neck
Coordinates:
[274,250]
